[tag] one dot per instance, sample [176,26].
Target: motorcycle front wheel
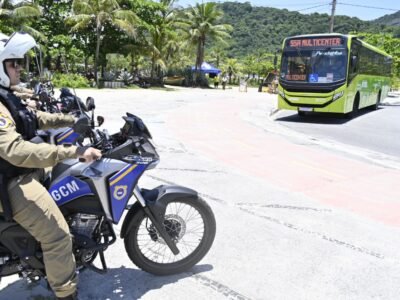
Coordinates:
[190,223]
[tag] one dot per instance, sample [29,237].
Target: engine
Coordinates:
[83,228]
[4,258]
[83,224]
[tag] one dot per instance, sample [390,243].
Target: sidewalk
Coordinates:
[393,98]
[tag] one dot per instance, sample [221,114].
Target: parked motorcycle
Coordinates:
[166,231]
[66,103]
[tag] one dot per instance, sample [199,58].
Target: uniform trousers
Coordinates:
[36,211]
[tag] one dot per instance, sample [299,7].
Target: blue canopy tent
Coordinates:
[207,68]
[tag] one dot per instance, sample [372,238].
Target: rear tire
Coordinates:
[148,259]
[301,113]
[378,102]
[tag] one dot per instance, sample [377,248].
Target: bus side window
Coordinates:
[354,60]
[353,64]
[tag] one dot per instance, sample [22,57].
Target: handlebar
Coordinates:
[82,160]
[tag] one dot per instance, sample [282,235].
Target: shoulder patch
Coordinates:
[4,122]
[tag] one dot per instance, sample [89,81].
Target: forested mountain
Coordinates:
[262,29]
[392,19]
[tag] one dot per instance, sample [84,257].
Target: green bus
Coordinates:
[332,73]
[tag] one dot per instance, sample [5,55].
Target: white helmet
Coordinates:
[13,47]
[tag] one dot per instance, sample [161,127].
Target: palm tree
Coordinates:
[232,68]
[218,54]
[201,23]
[19,18]
[162,42]
[101,12]
[20,15]
[135,51]
[21,10]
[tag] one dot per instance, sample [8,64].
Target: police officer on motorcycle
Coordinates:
[21,169]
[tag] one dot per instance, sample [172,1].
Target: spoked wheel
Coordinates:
[190,223]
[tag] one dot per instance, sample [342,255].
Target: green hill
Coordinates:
[392,19]
[262,29]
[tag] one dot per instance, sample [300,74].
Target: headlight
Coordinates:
[281,93]
[337,95]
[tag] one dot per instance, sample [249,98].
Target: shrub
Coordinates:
[70,80]
[395,83]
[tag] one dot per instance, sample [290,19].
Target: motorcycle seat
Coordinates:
[3,220]
[4,224]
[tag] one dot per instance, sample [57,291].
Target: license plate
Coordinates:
[305,109]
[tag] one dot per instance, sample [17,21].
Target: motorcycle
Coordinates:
[167,230]
[67,103]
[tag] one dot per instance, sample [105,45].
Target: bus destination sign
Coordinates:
[315,42]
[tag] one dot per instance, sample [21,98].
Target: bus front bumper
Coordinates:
[330,104]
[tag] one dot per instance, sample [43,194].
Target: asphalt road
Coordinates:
[373,130]
[295,219]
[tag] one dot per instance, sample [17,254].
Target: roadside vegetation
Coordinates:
[144,41]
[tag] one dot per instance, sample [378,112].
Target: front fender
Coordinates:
[156,200]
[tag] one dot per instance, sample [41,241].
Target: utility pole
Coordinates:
[332,16]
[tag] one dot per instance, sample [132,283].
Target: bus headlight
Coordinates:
[281,93]
[337,95]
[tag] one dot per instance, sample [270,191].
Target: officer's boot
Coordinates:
[73,296]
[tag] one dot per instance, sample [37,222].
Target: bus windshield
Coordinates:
[314,66]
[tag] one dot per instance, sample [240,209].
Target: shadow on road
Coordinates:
[324,118]
[119,283]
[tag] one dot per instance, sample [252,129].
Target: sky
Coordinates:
[342,7]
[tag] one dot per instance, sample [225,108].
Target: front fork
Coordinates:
[156,216]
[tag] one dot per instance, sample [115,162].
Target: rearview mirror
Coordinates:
[90,104]
[100,120]
[44,97]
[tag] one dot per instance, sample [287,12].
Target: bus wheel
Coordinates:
[378,101]
[301,113]
[356,104]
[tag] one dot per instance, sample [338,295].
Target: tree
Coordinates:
[66,54]
[161,40]
[389,44]
[200,23]
[102,13]
[217,54]
[232,67]
[19,17]
[266,27]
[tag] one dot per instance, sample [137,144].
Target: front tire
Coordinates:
[356,104]
[191,223]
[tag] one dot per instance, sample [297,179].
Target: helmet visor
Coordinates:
[16,62]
